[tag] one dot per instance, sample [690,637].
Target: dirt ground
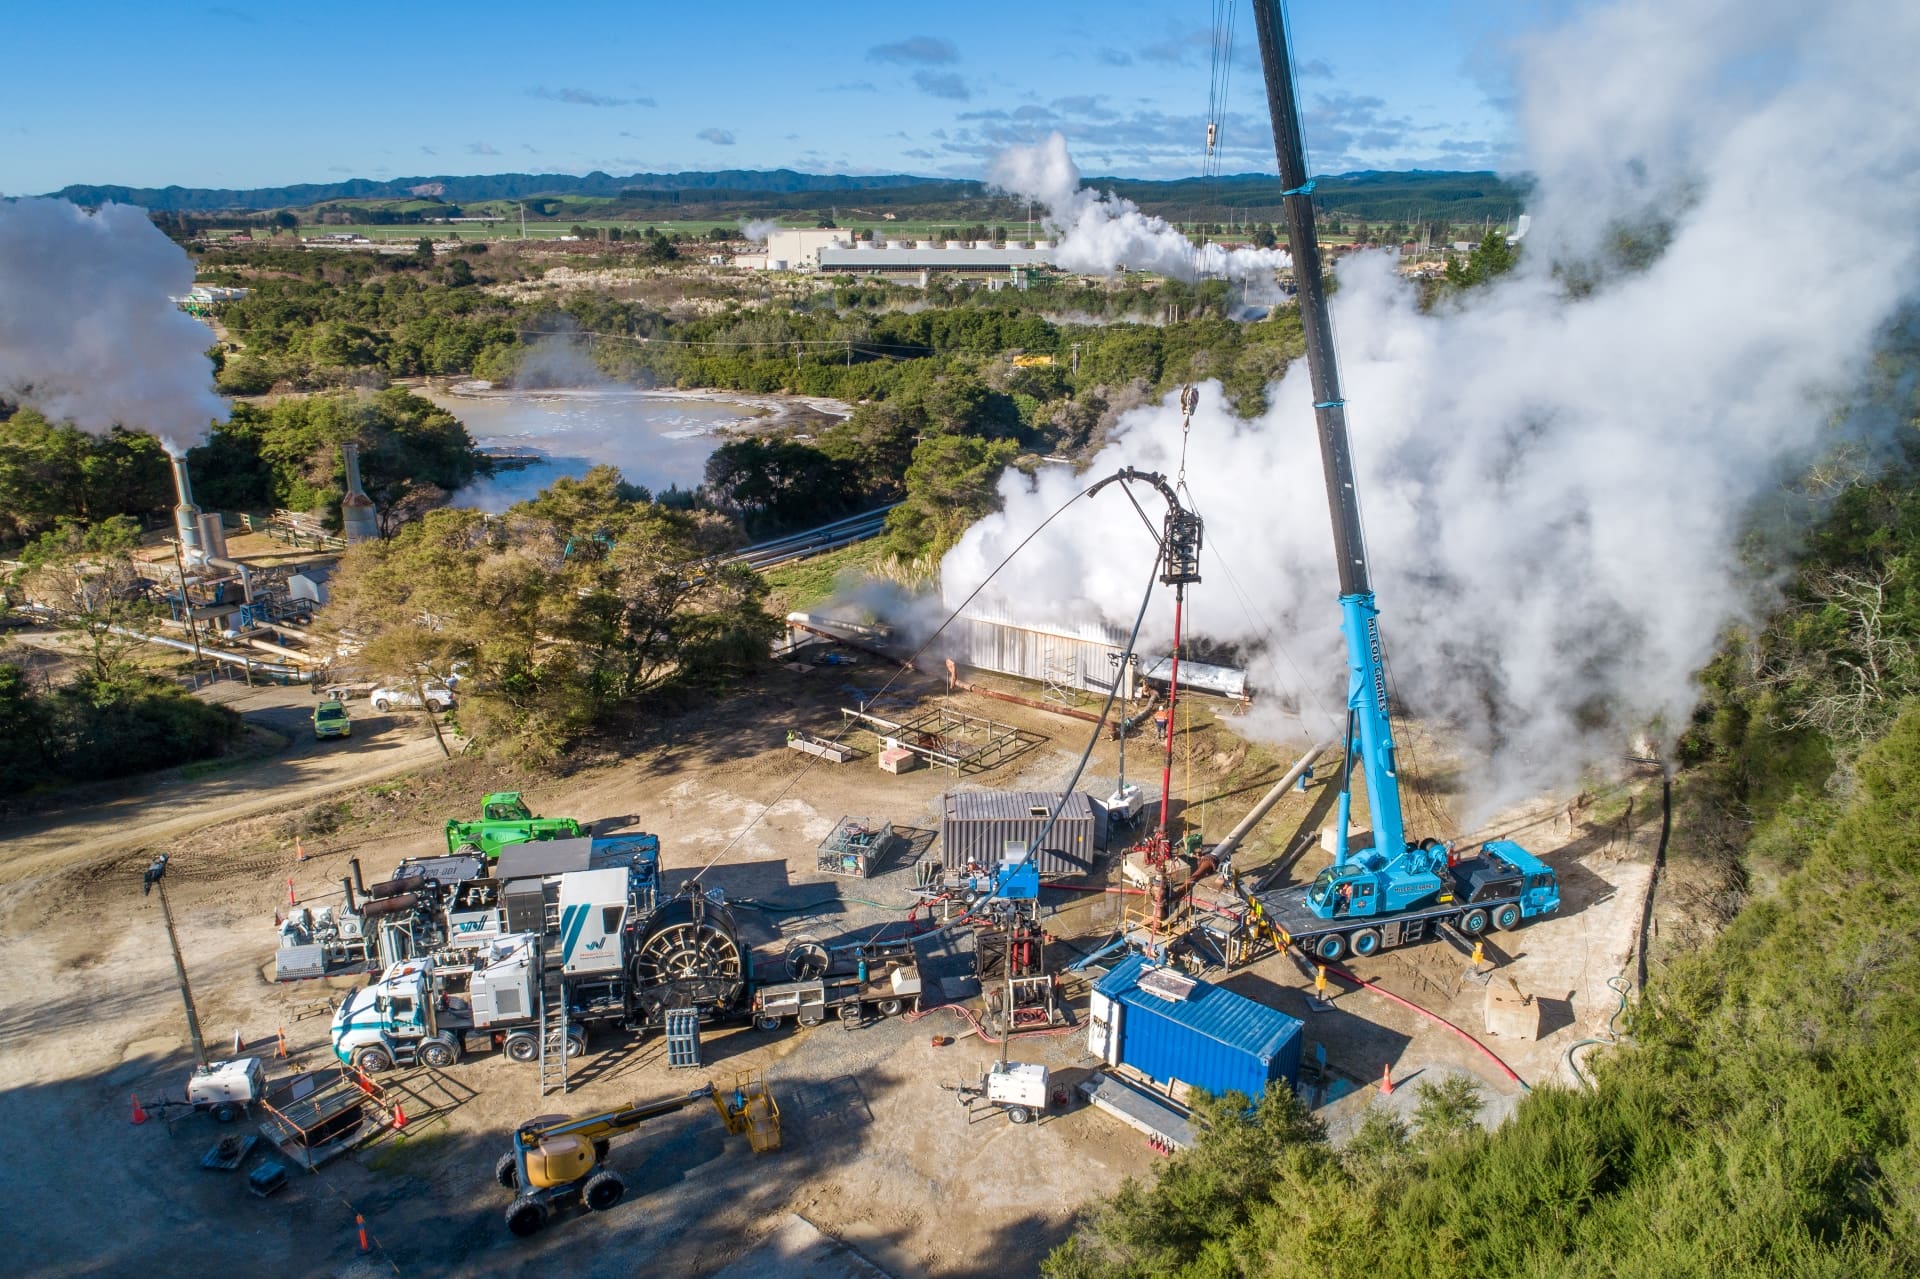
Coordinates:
[882,1170]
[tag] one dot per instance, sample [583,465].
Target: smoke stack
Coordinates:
[186,516]
[357,521]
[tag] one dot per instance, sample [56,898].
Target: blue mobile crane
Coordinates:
[1393,891]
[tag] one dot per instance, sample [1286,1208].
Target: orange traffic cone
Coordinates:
[360,1223]
[399,1117]
[1386,1080]
[239,1044]
[292,898]
[281,1053]
[139,1115]
[299,850]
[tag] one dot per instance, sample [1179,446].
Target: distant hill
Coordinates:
[497,186]
[1397,196]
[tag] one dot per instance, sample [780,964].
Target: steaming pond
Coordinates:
[656,439]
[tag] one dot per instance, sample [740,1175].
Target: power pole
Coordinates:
[420,688]
[156,878]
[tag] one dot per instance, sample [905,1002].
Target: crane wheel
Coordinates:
[603,1190]
[1364,942]
[1474,922]
[1330,947]
[1507,918]
[890,1007]
[526,1216]
[506,1171]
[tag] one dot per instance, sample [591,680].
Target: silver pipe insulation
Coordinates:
[1226,846]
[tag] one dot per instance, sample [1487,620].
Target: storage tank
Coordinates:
[956,244]
[1172,1028]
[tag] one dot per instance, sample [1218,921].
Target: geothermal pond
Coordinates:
[656,439]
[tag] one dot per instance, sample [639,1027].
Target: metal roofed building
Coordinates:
[1083,655]
[935,255]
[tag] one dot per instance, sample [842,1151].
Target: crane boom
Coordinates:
[1369,733]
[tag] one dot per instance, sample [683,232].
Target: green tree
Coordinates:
[950,484]
[1491,258]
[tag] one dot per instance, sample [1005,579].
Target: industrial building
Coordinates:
[829,249]
[1082,657]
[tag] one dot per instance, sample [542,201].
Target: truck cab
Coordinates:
[422,1010]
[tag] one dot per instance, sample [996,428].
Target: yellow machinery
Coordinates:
[556,1158]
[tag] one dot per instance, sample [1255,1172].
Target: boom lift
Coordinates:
[1393,879]
[557,1158]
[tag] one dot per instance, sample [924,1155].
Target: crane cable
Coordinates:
[1220,78]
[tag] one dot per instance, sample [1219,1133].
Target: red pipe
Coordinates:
[1344,975]
[1173,694]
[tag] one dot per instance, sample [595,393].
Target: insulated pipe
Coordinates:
[186,516]
[346,889]
[361,884]
[231,659]
[389,906]
[1225,847]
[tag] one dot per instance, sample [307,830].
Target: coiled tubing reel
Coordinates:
[688,955]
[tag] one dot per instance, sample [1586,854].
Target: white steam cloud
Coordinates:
[1556,485]
[759,230]
[89,332]
[1101,232]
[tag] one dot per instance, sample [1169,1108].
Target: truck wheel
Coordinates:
[1474,922]
[811,1017]
[1330,947]
[1364,942]
[766,1021]
[522,1047]
[526,1216]
[1019,1114]
[506,1171]
[381,704]
[603,1190]
[226,1112]
[373,1060]
[850,1012]
[1507,918]
[439,1052]
[576,1042]
[890,1007]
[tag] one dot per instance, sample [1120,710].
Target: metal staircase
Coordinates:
[553,1027]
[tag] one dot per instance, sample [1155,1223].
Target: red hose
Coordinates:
[1096,888]
[980,1030]
[1344,975]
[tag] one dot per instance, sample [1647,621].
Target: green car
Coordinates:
[330,720]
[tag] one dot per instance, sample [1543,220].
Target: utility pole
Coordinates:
[156,878]
[420,688]
[1076,359]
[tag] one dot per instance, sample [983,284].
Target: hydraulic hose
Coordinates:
[1430,1015]
[1620,987]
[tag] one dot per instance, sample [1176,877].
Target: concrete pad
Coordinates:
[798,1249]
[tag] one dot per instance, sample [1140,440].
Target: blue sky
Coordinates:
[241,93]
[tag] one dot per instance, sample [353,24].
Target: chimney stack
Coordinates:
[186,516]
[357,520]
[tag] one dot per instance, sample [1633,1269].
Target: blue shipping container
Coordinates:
[1211,1039]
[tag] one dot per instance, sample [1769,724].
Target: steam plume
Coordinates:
[88,329]
[1101,232]
[1556,483]
[759,229]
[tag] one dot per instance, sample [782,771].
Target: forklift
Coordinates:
[557,1159]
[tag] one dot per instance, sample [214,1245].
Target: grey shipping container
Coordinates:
[1170,1027]
[978,826]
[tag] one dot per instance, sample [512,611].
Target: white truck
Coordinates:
[431,1010]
